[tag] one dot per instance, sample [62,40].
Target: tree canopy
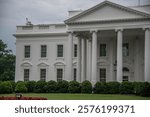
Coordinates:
[7,63]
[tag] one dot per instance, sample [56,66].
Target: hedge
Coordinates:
[39,86]
[6,87]
[126,88]
[62,86]
[137,88]
[50,87]
[74,87]
[21,87]
[86,87]
[30,86]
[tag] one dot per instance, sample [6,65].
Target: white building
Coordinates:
[108,42]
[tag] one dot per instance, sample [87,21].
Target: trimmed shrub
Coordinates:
[142,89]
[13,85]
[50,87]
[5,87]
[100,88]
[74,87]
[30,86]
[21,87]
[126,88]
[86,87]
[39,87]
[62,86]
[113,87]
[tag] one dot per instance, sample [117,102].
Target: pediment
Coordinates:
[43,64]
[26,64]
[107,11]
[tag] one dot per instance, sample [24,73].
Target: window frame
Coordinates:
[26,52]
[41,75]
[100,75]
[75,53]
[100,50]
[62,73]
[125,53]
[58,56]
[25,76]
[45,52]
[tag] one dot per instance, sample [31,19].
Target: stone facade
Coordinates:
[107,42]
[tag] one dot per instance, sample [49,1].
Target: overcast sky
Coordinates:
[15,12]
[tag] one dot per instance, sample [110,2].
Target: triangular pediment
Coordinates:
[107,11]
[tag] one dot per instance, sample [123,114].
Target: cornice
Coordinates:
[39,34]
[110,21]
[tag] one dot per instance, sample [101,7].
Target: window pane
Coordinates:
[59,74]
[103,75]
[59,50]
[102,49]
[43,74]
[43,50]
[75,74]
[125,78]
[75,50]
[27,52]
[125,49]
[26,74]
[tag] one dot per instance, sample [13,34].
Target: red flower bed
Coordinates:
[22,98]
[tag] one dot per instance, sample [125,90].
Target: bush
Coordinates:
[100,88]
[86,87]
[126,88]
[39,87]
[62,86]
[21,87]
[5,87]
[142,89]
[50,87]
[30,86]
[13,85]
[74,87]
[113,87]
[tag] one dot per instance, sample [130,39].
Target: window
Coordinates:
[102,49]
[125,79]
[75,50]
[102,74]
[26,74]
[59,50]
[59,74]
[27,51]
[75,74]
[43,50]
[125,49]
[43,74]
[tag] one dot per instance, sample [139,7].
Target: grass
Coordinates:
[83,96]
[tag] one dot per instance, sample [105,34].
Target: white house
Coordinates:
[108,42]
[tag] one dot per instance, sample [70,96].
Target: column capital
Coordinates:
[93,30]
[146,28]
[118,29]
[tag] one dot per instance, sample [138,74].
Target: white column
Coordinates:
[94,57]
[119,55]
[70,55]
[88,63]
[83,73]
[79,61]
[147,55]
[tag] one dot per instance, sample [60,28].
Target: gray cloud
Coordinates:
[14,12]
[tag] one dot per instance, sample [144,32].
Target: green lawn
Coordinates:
[83,96]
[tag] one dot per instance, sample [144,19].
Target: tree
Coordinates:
[7,63]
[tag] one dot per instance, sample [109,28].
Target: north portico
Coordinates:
[107,42]
[114,24]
